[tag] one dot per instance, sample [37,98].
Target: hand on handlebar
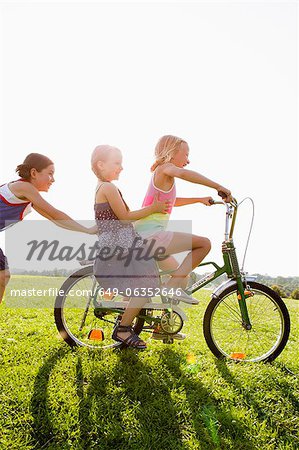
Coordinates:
[208,201]
[225,194]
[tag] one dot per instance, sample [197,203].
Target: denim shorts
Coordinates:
[3,261]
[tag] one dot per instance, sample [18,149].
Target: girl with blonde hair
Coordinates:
[117,236]
[172,156]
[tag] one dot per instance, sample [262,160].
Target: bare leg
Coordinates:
[199,246]
[170,263]
[4,279]
[134,307]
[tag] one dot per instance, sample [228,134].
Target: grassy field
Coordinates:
[167,397]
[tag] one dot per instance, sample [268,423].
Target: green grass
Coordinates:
[167,397]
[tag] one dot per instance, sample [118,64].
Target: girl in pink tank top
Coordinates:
[152,225]
[172,155]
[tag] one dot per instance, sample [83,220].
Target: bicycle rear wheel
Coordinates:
[78,317]
[269,317]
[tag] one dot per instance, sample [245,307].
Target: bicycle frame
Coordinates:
[230,266]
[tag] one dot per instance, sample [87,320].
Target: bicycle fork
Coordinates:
[233,271]
[93,297]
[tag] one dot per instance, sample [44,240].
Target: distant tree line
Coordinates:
[44,273]
[286,287]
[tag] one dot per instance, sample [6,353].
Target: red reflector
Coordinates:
[238,355]
[96,335]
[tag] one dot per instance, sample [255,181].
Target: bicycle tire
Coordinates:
[59,316]
[221,342]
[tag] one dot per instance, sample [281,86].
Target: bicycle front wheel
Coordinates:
[227,338]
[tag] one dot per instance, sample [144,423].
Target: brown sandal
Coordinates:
[132,341]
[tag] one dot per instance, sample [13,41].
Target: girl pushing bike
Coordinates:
[18,197]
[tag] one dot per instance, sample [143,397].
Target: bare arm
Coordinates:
[189,201]
[47,210]
[194,177]
[113,197]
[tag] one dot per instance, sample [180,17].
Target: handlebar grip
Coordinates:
[222,194]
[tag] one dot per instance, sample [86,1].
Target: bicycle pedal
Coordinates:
[96,334]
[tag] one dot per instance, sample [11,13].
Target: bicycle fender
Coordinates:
[223,286]
[227,284]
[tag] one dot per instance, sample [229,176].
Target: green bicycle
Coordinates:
[244,320]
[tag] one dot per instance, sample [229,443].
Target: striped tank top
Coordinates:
[157,221]
[12,209]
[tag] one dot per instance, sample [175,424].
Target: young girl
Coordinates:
[16,198]
[117,237]
[172,155]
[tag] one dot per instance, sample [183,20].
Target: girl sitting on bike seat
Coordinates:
[117,237]
[172,155]
[16,198]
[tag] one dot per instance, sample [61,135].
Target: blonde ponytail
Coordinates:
[165,149]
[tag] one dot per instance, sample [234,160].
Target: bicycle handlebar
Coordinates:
[223,195]
[214,202]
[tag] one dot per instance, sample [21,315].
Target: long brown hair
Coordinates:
[32,161]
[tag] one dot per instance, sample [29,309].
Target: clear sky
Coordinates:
[221,75]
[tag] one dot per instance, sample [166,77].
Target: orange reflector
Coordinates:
[96,335]
[247,294]
[237,355]
[108,296]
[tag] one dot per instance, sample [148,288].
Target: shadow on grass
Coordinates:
[131,406]
[137,405]
[121,409]
[42,433]
[282,389]
[214,425]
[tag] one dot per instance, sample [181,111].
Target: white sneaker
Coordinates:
[160,336]
[180,295]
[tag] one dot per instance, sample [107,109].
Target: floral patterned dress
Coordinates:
[117,265]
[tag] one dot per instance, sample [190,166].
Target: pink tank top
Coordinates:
[162,195]
[155,222]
